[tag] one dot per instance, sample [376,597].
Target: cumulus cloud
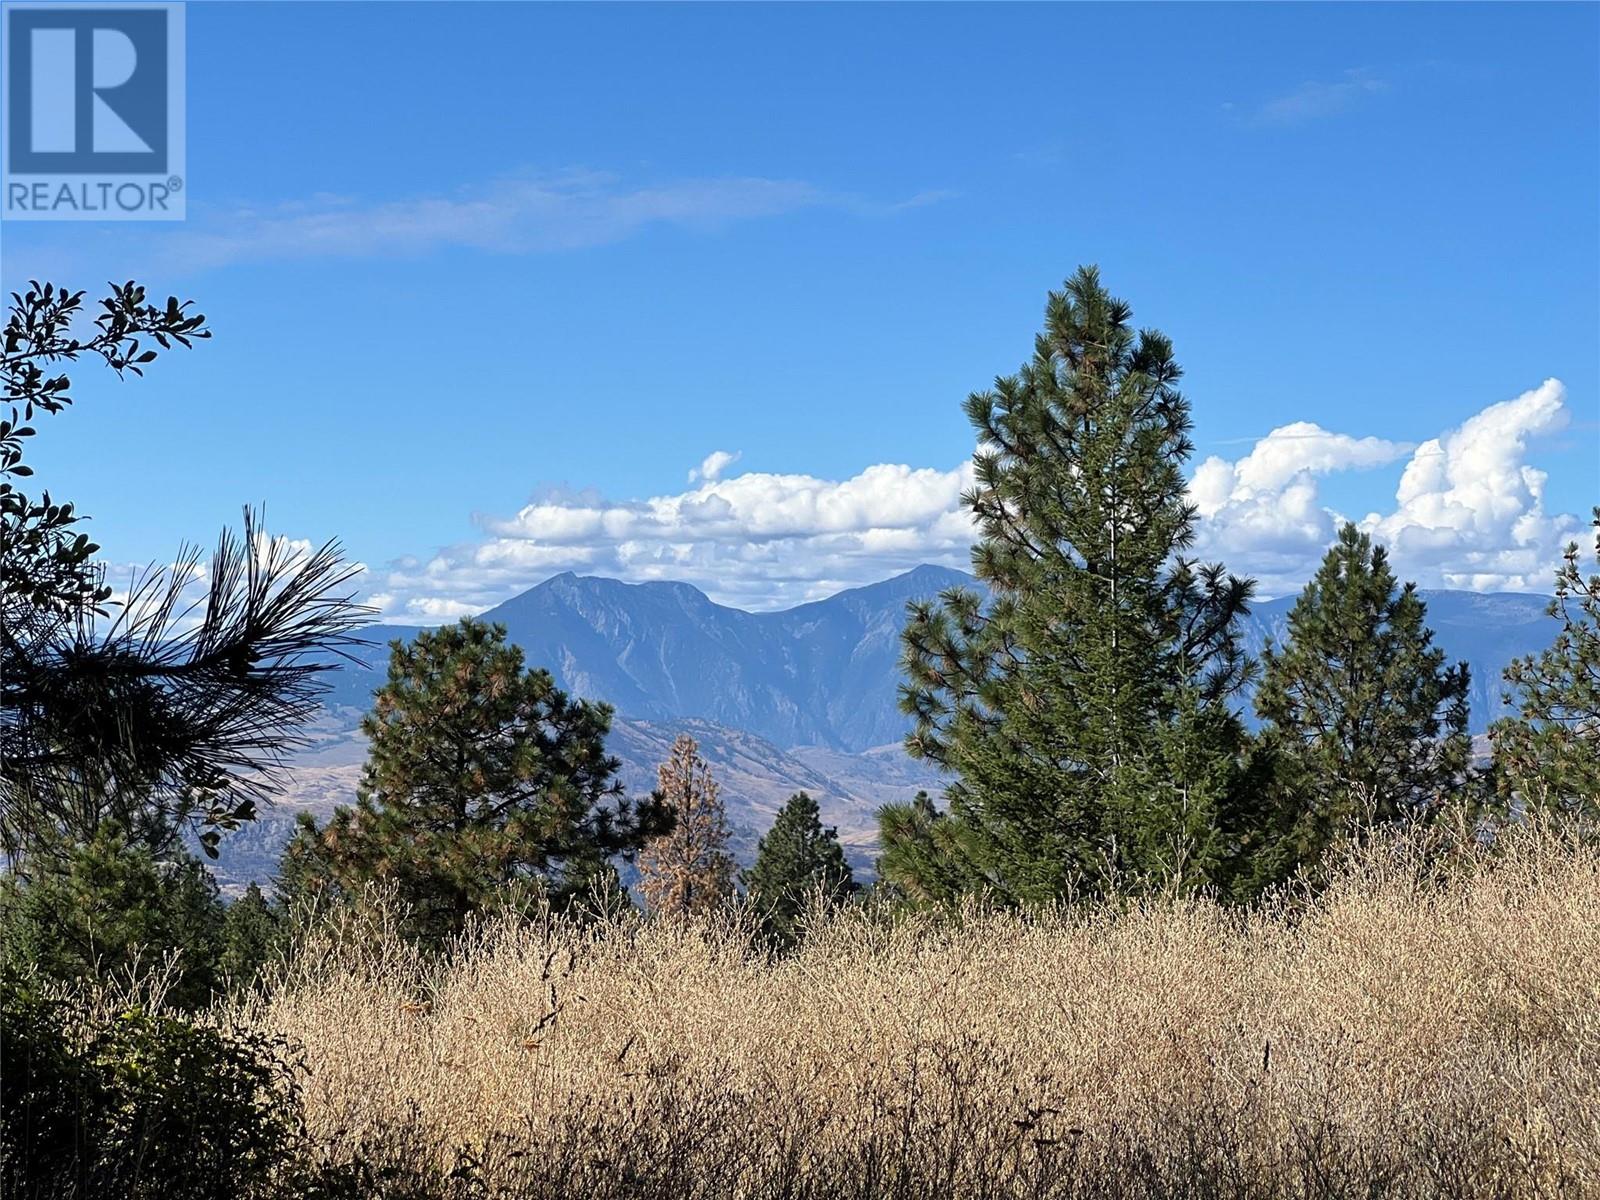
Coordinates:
[429,610]
[1288,452]
[1264,512]
[1468,513]
[1470,509]
[756,540]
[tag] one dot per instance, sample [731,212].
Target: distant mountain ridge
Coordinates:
[821,674]
[804,698]
[826,673]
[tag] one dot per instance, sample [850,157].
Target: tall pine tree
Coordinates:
[1367,720]
[798,861]
[688,871]
[480,775]
[1084,708]
[1548,756]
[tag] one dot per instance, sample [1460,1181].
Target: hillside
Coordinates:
[756,777]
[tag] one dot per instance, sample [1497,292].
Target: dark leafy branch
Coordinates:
[178,701]
[44,562]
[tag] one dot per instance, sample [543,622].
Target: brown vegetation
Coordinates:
[688,872]
[1412,1031]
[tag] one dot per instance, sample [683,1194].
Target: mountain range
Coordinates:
[822,674]
[825,673]
[801,698]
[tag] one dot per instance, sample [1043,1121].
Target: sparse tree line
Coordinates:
[487,786]
[1088,709]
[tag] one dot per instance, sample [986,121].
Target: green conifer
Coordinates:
[798,862]
[1084,707]
[480,777]
[921,860]
[1368,721]
[252,935]
[109,910]
[1549,754]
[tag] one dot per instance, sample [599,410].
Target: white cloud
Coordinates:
[564,211]
[713,465]
[1315,99]
[1468,513]
[1468,510]
[1288,453]
[436,610]
[529,214]
[757,540]
[1262,514]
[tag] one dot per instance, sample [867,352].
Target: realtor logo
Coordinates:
[94,112]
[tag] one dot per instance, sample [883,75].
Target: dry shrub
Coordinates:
[1408,1032]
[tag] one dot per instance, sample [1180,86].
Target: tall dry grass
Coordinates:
[1405,1033]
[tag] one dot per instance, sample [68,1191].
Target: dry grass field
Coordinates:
[1409,1032]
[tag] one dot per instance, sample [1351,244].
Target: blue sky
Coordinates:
[490,282]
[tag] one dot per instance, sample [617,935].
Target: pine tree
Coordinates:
[1548,756]
[480,777]
[133,712]
[110,908]
[1368,720]
[1084,707]
[252,934]
[688,871]
[798,861]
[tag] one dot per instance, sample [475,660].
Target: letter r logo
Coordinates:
[86,90]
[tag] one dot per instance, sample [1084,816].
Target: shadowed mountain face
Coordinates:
[823,674]
[780,702]
[826,673]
